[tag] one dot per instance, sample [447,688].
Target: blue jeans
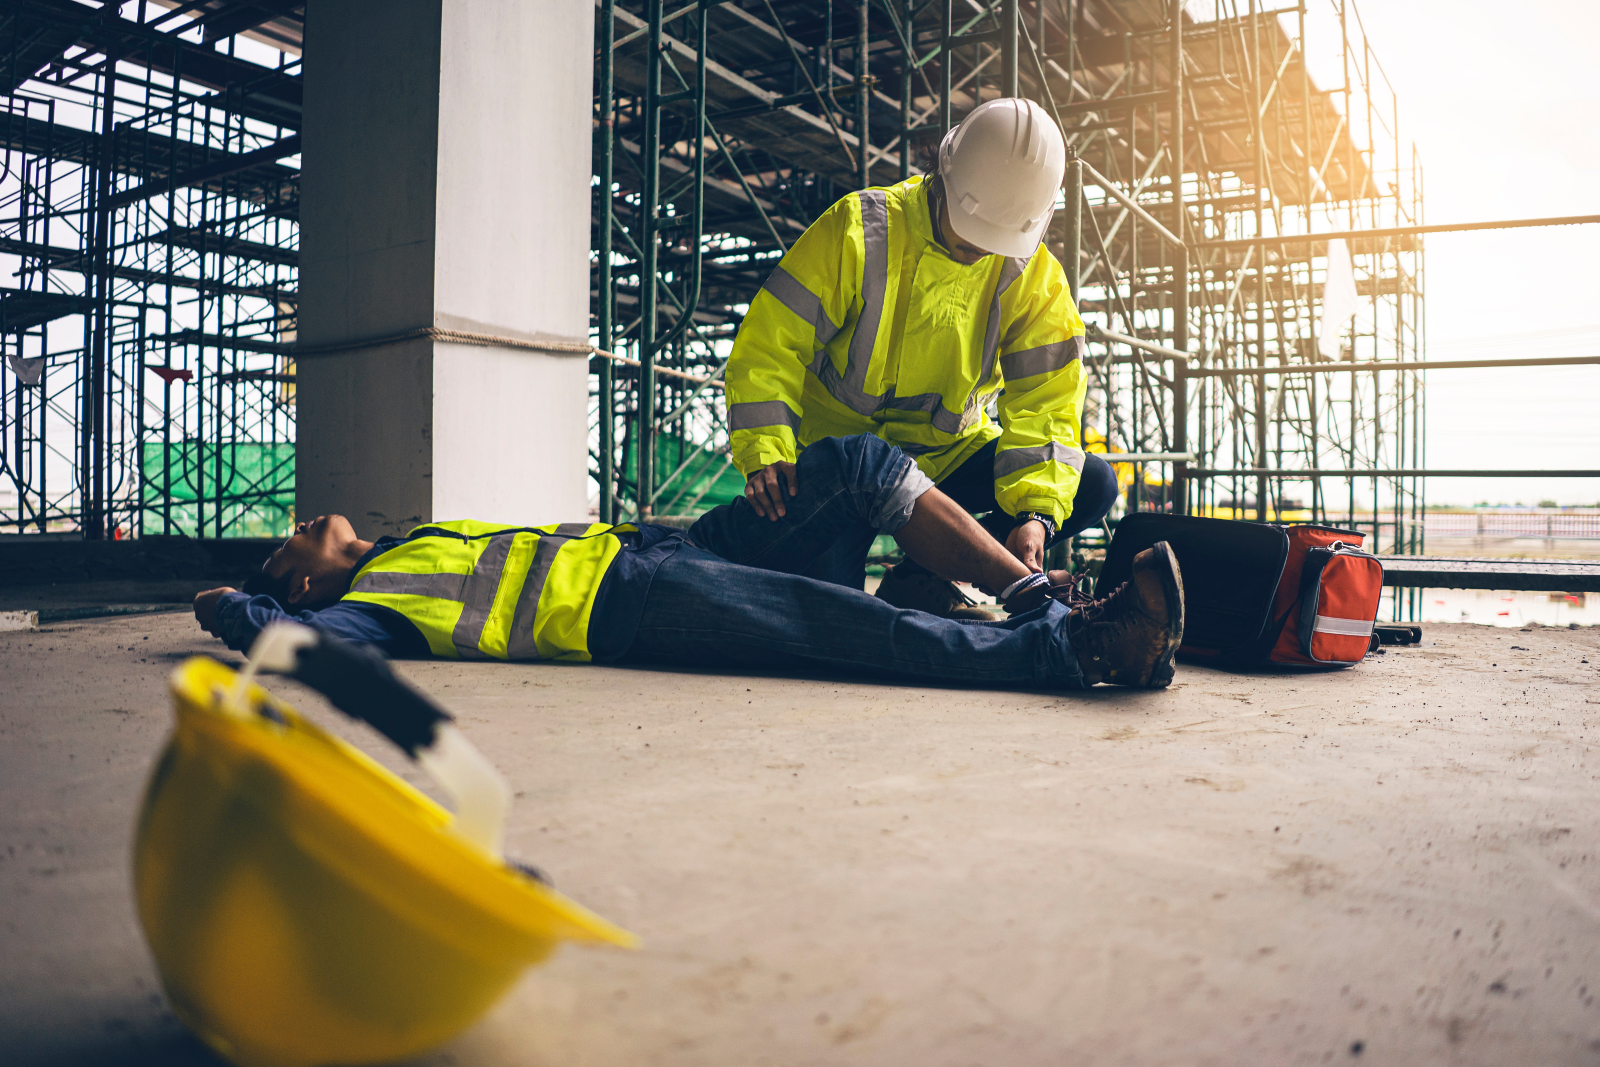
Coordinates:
[739,595]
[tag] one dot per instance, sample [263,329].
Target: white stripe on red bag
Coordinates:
[1349,627]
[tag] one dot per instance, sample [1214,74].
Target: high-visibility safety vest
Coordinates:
[483,590]
[868,326]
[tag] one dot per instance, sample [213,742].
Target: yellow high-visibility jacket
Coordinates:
[868,326]
[482,590]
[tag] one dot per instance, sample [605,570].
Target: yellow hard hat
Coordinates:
[305,906]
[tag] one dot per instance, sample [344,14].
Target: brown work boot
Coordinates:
[1130,637]
[917,589]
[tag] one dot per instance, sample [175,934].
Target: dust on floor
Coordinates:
[1398,863]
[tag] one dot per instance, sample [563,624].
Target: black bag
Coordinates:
[1248,587]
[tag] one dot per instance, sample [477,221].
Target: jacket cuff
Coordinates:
[752,456]
[239,631]
[1044,505]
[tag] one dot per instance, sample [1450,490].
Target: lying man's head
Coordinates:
[311,570]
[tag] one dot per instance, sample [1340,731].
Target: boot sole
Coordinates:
[890,594]
[1172,587]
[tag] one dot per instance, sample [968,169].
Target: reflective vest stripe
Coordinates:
[822,366]
[757,413]
[521,643]
[849,388]
[874,286]
[475,592]
[437,586]
[1347,627]
[1010,272]
[932,403]
[1046,359]
[477,596]
[1015,459]
[789,292]
[485,624]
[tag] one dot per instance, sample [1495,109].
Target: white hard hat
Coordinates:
[1002,168]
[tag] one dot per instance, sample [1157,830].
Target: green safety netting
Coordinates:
[181,481]
[705,479]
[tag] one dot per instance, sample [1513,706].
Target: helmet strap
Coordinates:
[936,208]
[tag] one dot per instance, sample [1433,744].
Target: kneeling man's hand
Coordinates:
[205,609]
[764,489]
[1027,544]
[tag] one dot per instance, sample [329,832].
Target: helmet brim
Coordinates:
[998,240]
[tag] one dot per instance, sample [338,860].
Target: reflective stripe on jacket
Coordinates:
[481,590]
[868,326]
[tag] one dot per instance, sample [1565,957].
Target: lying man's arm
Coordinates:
[237,618]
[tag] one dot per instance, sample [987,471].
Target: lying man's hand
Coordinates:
[764,489]
[205,609]
[1027,544]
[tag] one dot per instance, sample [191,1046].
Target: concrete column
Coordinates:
[446,184]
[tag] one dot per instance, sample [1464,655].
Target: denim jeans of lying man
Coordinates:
[736,594]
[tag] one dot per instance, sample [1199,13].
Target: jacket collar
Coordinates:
[919,208]
[923,201]
[935,207]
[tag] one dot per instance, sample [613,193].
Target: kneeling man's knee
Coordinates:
[867,447]
[1097,488]
[856,457]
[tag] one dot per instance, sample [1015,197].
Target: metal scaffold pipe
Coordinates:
[644,445]
[946,69]
[1128,202]
[908,65]
[1399,472]
[1180,266]
[1009,84]
[697,137]
[605,297]
[1406,231]
[1100,333]
[651,344]
[863,97]
[1260,180]
[1074,205]
[1397,365]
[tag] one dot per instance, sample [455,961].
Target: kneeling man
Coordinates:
[726,592]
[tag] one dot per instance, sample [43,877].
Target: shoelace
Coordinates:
[1074,593]
[1104,612]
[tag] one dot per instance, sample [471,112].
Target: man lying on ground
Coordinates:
[727,592]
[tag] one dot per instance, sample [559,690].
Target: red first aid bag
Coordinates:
[1260,593]
[1327,600]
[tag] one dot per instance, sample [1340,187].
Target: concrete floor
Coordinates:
[1395,864]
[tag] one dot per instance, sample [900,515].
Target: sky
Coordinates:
[1504,106]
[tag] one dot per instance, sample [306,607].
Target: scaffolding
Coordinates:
[148,234]
[1200,146]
